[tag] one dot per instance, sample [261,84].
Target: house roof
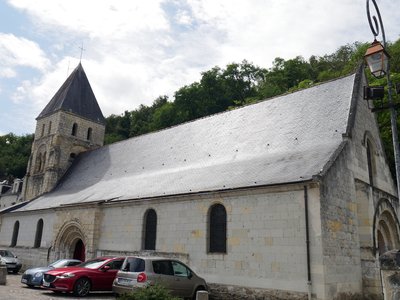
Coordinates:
[282,140]
[75,96]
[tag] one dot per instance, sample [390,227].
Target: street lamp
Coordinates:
[378,61]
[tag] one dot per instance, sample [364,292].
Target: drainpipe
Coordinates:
[309,284]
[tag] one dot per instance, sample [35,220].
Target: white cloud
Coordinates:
[38,92]
[138,50]
[101,18]
[18,51]
[183,17]
[21,91]
[132,56]
[261,30]
[7,73]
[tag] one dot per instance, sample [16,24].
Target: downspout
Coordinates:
[309,284]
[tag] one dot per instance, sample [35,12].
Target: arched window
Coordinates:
[49,129]
[371,162]
[150,230]
[15,234]
[38,235]
[89,134]
[40,159]
[38,166]
[74,129]
[43,161]
[43,127]
[217,229]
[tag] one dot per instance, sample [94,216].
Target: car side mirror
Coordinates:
[105,268]
[190,275]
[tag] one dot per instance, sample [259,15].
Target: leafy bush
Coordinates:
[154,292]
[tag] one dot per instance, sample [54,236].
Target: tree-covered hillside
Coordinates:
[220,89]
[14,155]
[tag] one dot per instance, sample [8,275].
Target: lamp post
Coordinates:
[378,61]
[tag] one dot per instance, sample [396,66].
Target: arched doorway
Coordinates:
[70,242]
[385,228]
[387,233]
[79,252]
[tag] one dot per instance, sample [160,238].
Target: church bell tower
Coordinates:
[71,123]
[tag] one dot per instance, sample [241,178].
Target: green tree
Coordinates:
[240,81]
[164,116]
[14,155]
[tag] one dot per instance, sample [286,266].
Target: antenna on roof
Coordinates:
[82,49]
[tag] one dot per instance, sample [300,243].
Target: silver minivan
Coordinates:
[174,275]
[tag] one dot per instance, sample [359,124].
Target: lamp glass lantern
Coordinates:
[377,59]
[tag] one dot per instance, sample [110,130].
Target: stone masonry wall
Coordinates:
[28,255]
[266,245]
[61,123]
[368,194]
[55,142]
[341,247]
[348,206]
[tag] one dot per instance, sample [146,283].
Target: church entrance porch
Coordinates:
[70,242]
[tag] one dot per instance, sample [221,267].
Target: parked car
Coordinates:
[174,275]
[10,260]
[93,275]
[34,276]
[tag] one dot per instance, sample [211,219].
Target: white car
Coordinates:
[10,260]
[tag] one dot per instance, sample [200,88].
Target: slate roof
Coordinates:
[282,140]
[75,96]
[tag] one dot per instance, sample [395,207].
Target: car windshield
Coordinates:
[55,264]
[58,263]
[6,253]
[92,264]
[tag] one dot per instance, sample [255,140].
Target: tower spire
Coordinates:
[71,123]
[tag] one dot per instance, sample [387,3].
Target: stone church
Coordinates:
[289,198]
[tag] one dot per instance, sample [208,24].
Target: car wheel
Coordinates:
[82,287]
[31,286]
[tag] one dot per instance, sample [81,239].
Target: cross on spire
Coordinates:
[82,49]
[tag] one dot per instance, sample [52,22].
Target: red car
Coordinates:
[93,275]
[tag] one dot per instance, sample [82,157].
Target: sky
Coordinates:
[134,51]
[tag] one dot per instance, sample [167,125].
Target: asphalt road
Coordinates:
[15,290]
